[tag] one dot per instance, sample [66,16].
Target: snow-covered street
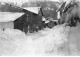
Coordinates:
[45,42]
[59,40]
[55,41]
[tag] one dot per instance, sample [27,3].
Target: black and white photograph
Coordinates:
[39,27]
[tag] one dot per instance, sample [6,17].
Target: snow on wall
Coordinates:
[44,42]
[4,25]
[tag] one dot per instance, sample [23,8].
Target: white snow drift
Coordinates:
[45,42]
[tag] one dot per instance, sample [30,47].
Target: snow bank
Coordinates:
[44,42]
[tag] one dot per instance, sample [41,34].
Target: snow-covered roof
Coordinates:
[8,16]
[33,9]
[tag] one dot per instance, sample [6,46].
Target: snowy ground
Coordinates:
[74,40]
[55,41]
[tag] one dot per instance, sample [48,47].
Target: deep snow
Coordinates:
[53,41]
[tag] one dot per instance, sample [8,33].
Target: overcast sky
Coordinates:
[21,0]
[14,0]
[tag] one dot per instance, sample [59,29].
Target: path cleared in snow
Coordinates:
[74,40]
[53,41]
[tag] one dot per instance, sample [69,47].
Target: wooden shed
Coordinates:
[7,19]
[30,21]
[8,13]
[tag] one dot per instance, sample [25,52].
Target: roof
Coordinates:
[9,16]
[32,9]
